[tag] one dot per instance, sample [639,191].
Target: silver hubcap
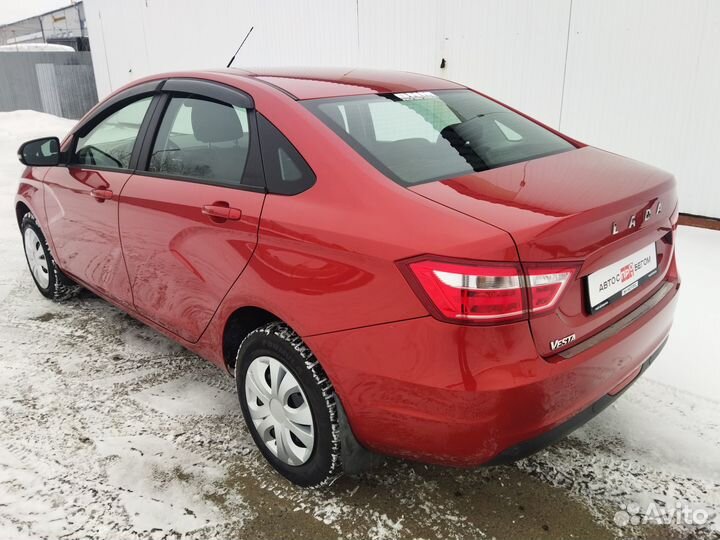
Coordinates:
[279,410]
[36,258]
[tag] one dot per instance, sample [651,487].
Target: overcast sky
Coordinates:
[11,11]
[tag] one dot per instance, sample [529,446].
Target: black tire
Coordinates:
[278,341]
[59,287]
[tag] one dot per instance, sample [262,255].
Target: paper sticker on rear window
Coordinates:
[409,96]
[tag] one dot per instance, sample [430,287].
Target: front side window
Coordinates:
[202,139]
[110,143]
[423,136]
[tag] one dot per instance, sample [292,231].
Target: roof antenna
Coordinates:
[240,47]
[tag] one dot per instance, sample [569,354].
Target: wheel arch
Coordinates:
[237,326]
[243,320]
[30,197]
[29,200]
[21,209]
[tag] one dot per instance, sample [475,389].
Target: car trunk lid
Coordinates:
[585,206]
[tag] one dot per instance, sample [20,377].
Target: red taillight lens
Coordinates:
[545,285]
[468,292]
[484,293]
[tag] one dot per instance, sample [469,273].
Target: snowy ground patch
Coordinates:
[187,397]
[108,430]
[160,484]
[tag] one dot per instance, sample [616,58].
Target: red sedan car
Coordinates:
[388,263]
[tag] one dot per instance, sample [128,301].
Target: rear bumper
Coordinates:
[464,396]
[529,447]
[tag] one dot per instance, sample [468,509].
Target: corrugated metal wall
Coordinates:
[637,77]
[59,83]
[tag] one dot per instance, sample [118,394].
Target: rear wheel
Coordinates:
[49,279]
[289,405]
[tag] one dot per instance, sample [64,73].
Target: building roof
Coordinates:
[72,5]
[314,83]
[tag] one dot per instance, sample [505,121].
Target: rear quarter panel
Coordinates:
[325,259]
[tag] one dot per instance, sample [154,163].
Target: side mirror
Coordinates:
[43,152]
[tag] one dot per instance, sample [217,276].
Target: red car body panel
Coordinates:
[181,268]
[452,394]
[561,208]
[325,262]
[83,228]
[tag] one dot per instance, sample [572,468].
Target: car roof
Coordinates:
[316,83]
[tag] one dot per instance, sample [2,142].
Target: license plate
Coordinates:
[621,278]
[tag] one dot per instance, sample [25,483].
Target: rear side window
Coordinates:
[110,143]
[286,172]
[423,136]
[202,139]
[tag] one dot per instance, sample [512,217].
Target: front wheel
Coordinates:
[49,279]
[289,405]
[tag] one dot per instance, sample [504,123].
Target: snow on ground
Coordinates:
[109,430]
[691,360]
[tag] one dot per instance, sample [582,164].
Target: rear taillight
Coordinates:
[545,284]
[485,293]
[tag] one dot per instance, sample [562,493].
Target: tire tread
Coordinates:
[61,287]
[288,335]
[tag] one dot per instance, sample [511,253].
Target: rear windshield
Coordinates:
[423,136]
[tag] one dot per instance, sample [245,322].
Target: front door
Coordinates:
[189,220]
[81,200]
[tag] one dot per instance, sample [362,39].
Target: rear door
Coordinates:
[189,216]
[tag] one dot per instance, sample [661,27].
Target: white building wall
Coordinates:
[643,80]
[636,77]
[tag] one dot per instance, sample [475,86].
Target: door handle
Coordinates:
[101,194]
[221,213]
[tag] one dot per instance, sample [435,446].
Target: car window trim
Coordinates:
[203,181]
[210,90]
[151,133]
[144,127]
[213,91]
[115,104]
[272,187]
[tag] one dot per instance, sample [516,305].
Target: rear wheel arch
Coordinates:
[238,325]
[241,322]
